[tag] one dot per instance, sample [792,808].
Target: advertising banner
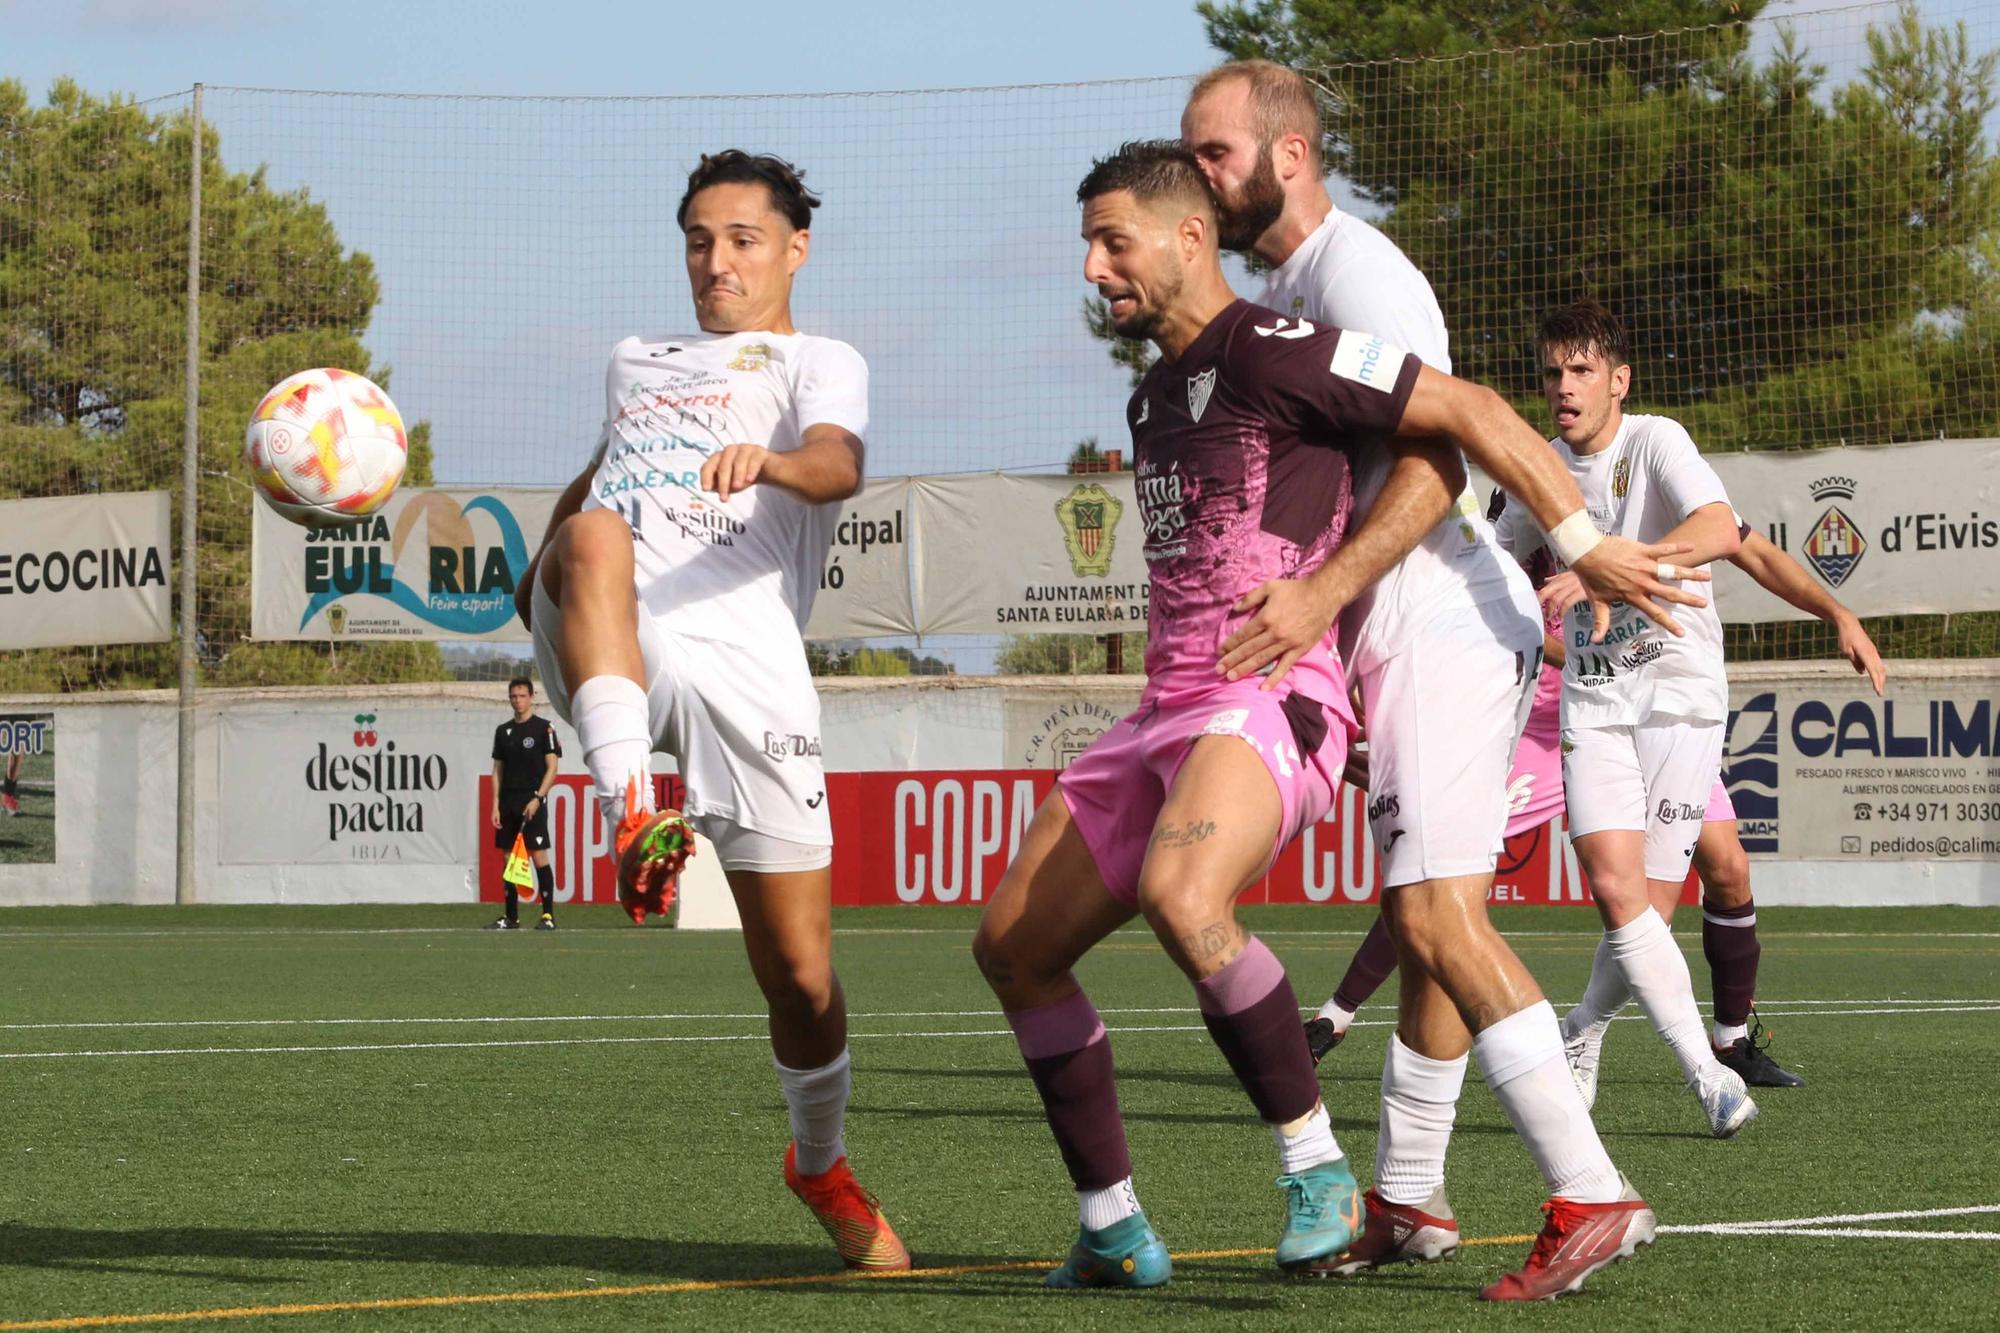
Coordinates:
[1013,554]
[28,789]
[429,565]
[1828,772]
[85,569]
[945,838]
[367,785]
[864,589]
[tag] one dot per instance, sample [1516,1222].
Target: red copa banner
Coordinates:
[946,838]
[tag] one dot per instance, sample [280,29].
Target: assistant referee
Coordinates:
[524,768]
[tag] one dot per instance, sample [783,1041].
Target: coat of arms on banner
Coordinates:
[1199,388]
[1835,545]
[336,618]
[1089,517]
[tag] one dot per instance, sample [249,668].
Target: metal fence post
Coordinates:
[184,888]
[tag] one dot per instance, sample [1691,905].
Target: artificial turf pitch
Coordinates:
[392,1113]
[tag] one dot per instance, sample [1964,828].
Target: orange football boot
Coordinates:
[645,842]
[850,1215]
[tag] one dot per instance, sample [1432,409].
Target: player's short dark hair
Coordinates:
[1585,326]
[784,182]
[520,680]
[1150,170]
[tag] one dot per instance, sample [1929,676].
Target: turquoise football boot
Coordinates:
[1323,1213]
[1124,1254]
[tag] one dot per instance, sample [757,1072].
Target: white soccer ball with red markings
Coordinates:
[326,447]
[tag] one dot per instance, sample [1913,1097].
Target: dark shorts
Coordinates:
[535,830]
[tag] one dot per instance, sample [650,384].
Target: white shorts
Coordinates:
[742,725]
[1442,718]
[1655,777]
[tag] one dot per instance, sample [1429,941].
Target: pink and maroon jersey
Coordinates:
[1241,450]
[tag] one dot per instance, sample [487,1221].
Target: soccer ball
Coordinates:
[326,447]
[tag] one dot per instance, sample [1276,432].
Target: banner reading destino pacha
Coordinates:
[85,569]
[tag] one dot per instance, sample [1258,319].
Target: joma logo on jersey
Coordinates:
[1835,546]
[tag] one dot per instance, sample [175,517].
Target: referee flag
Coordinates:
[517,870]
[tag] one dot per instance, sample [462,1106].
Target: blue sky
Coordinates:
[603,47]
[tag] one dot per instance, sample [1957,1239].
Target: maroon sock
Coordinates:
[1372,964]
[1729,942]
[1253,1014]
[1069,1057]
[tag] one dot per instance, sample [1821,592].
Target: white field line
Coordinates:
[1774,1008]
[1847,1226]
[671,1039]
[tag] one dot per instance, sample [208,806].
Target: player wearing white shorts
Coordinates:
[667,603]
[1443,635]
[1642,711]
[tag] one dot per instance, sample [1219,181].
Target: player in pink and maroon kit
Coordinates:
[1242,436]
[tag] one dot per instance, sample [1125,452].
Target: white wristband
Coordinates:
[1574,537]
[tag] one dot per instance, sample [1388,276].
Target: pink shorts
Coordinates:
[1115,788]
[1720,807]
[1535,783]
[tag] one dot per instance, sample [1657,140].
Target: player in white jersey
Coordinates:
[667,603]
[1443,634]
[1642,712]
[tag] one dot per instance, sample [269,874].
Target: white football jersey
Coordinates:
[1642,486]
[1349,275]
[746,570]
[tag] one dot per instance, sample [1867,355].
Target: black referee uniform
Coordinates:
[522,750]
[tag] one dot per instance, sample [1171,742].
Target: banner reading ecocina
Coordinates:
[355,786]
[431,565]
[85,569]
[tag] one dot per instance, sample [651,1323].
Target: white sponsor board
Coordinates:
[431,564]
[1821,770]
[1013,554]
[86,569]
[864,588]
[363,784]
[1907,529]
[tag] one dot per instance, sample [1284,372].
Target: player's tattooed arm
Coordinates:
[1288,616]
[827,466]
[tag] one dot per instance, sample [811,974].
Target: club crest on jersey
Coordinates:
[1835,545]
[1621,478]
[751,356]
[1199,388]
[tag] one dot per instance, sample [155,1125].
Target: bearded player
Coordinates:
[1441,633]
[667,604]
[1242,433]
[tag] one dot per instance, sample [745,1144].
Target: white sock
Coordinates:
[1727,1036]
[1419,1104]
[617,742]
[1521,1058]
[1603,997]
[1658,975]
[1098,1209]
[817,1099]
[1336,1015]
[1307,1141]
